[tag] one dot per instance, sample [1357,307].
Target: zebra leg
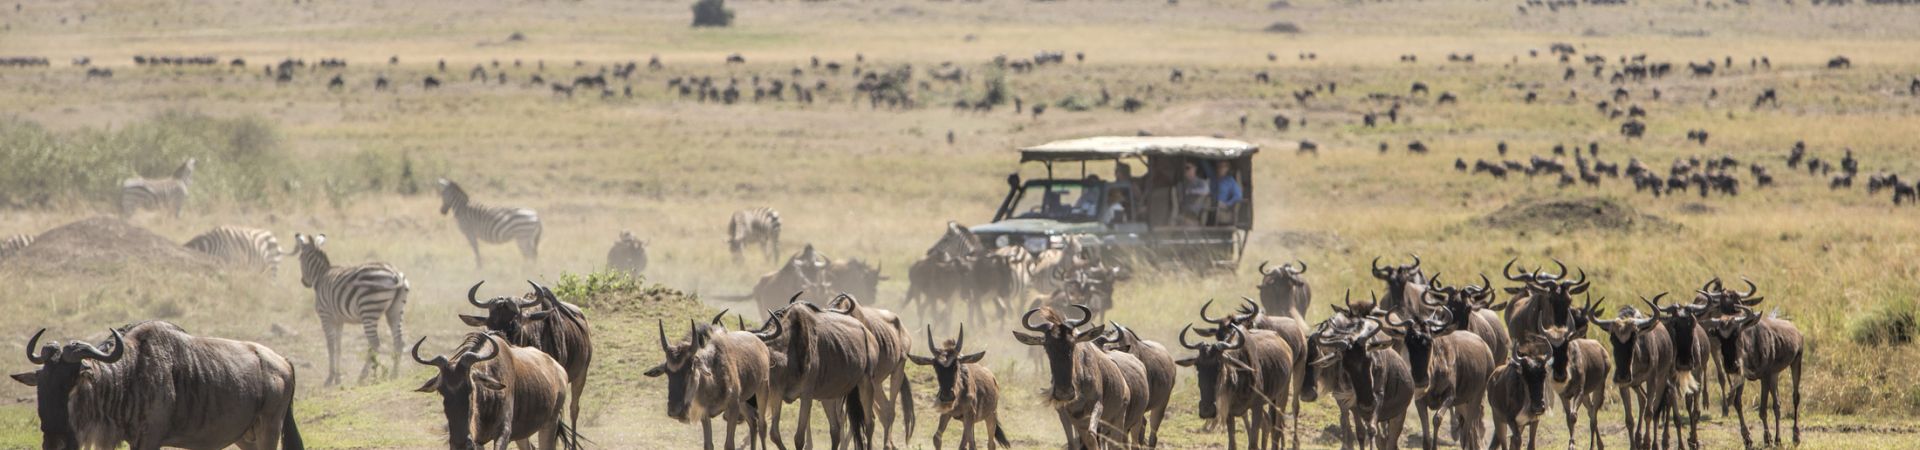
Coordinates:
[396,322]
[530,248]
[332,330]
[475,244]
[372,328]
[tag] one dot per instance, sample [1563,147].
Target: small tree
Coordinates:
[711,13]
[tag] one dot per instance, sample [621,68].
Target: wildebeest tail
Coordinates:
[569,437]
[906,402]
[857,417]
[290,432]
[1000,435]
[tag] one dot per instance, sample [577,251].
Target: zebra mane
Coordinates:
[185,172]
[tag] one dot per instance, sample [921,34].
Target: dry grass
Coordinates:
[878,184]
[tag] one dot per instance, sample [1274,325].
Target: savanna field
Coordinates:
[880,183]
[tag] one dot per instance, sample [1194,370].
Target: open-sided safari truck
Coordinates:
[1158,216]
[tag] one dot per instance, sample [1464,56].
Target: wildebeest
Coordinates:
[1691,351]
[1516,394]
[891,342]
[1470,308]
[1160,379]
[1289,324]
[1839,62]
[545,323]
[1643,368]
[829,357]
[1754,347]
[628,255]
[1578,368]
[1086,387]
[156,386]
[715,371]
[968,390]
[1369,381]
[493,391]
[1244,373]
[1450,370]
[1544,301]
[1633,129]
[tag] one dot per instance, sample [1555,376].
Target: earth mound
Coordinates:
[1576,214]
[103,244]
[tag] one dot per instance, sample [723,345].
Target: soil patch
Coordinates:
[104,244]
[1578,214]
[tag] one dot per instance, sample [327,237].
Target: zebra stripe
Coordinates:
[759,226]
[362,293]
[249,247]
[158,193]
[14,244]
[492,225]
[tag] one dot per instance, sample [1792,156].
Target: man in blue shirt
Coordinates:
[1226,188]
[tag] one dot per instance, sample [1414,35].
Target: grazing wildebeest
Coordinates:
[754,226]
[968,391]
[891,342]
[1753,347]
[1419,88]
[1839,62]
[493,391]
[1244,373]
[628,255]
[430,83]
[154,193]
[158,386]
[1633,129]
[1087,389]
[1161,376]
[1450,370]
[1643,368]
[829,357]
[715,371]
[545,323]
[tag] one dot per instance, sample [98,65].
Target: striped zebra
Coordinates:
[145,193]
[14,244]
[364,293]
[249,247]
[491,224]
[757,226]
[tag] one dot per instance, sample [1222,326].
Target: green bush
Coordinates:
[613,290]
[1892,323]
[711,13]
[241,160]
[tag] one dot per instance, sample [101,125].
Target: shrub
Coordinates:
[1283,27]
[711,13]
[241,160]
[1892,323]
[613,290]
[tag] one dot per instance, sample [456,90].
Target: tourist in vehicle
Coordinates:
[1116,210]
[1227,194]
[1195,194]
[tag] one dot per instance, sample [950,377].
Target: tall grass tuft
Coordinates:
[1890,323]
[241,160]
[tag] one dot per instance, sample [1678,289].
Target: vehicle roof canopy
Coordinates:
[1117,147]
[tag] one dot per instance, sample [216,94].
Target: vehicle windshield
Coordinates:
[1067,201]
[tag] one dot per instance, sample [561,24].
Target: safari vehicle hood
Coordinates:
[1037,227]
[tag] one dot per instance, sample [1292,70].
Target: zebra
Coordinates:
[364,292]
[251,247]
[755,226]
[628,255]
[491,224]
[14,244]
[143,193]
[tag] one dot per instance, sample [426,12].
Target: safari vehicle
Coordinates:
[1158,221]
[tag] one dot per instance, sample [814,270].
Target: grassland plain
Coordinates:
[878,184]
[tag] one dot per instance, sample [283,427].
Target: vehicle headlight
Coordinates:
[1035,244]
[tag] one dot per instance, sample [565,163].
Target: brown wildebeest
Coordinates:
[1244,373]
[1517,395]
[1405,284]
[891,342]
[1084,380]
[828,357]
[715,371]
[542,322]
[493,391]
[1290,328]
[1643,365]
[1469,307]
[1578,367]
[1161,377]
[1544,301]
[628,255]
[1450,370]
[968,391]
[1760,348]
[158,386]
[1368,380]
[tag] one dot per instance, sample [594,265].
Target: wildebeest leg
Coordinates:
[1796,394]
[550,437]
[1499,434]
[773,425]
[372,328]
[733,426]
[1426,430]
[706,433]
[1770,389]
[884,405]
[1594,401]
[966,435]
[506,429]
[1694,403]
[1232,439]
[939,430]
[332,330]
[1153,436]
[1626,416]
[1533,431]
[801,437]
[1468,418]
[1740,410]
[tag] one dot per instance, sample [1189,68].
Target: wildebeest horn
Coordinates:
[960,341]
[850,303]
[1416,261]
[1302,269]
[1085,314]
[1563,269]
[1376,264]
[1508,272]
[764,335]
[1485,283]
[437,361]
[1751,289]
[541,294]
[1255,310]
[662,325]
[1712,285]
[1239,338]
[1203,313]
[33,348]
[930,348]
[796,297]
[1402,324]
[88,351]
[1263,268]
[1424,299]
[1026,320]
[1183,338]
[1348,299]
[472,291]
[1369,328]
[717,317]
[1582,280]
[485,344]
[1435,281]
